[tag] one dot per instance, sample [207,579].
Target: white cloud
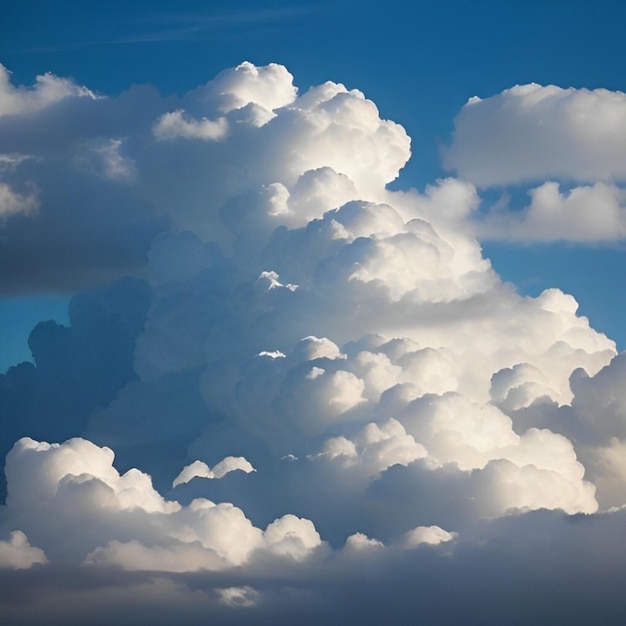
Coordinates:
[359,543]
[531,132]
[121,520]
[374,448]
[173,126]
[270,87]
[48,89]
[586,214]
[352,342]
[17,553]
[292,536]
[199,469]
[430,535]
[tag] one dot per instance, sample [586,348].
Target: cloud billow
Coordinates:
[572,138]
[320,394]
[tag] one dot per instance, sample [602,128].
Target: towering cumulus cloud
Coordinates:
[336,410]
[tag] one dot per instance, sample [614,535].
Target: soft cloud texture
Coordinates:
[592,214]
[534,132]
[573,138]
[47,90]
[376,412]
[17,553]
[198,469]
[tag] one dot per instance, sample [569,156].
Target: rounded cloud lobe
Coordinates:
[324,384]
[532,133]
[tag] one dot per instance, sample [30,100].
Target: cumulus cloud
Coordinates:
[566,144]
[534,132]
[584,214]
[368,403]
[17,553]
[70,213]
[199,469]
[173,125]
[75,483]
[75,369]
[430,535]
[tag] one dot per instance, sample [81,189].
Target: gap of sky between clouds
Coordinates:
[419,62]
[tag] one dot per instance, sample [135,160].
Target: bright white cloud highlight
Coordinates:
[585,214]
[199,469]
[17,553]
[48,89]
[430,535]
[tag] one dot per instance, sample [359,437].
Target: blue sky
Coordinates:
[296,282]
[419,62]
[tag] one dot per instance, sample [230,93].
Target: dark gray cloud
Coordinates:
[76,368]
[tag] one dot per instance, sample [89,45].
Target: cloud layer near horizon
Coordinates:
[316,380]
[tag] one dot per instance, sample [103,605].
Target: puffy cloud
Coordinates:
[519,386]
[173,125]
[120,519]
[292,536]
[531,132]
[199,469]
[12,202]
[347,348]
[17,553]
[270,87]
[47,90]
[360,543]
[586,214]
[375,448]
[292,157]
[77,368]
